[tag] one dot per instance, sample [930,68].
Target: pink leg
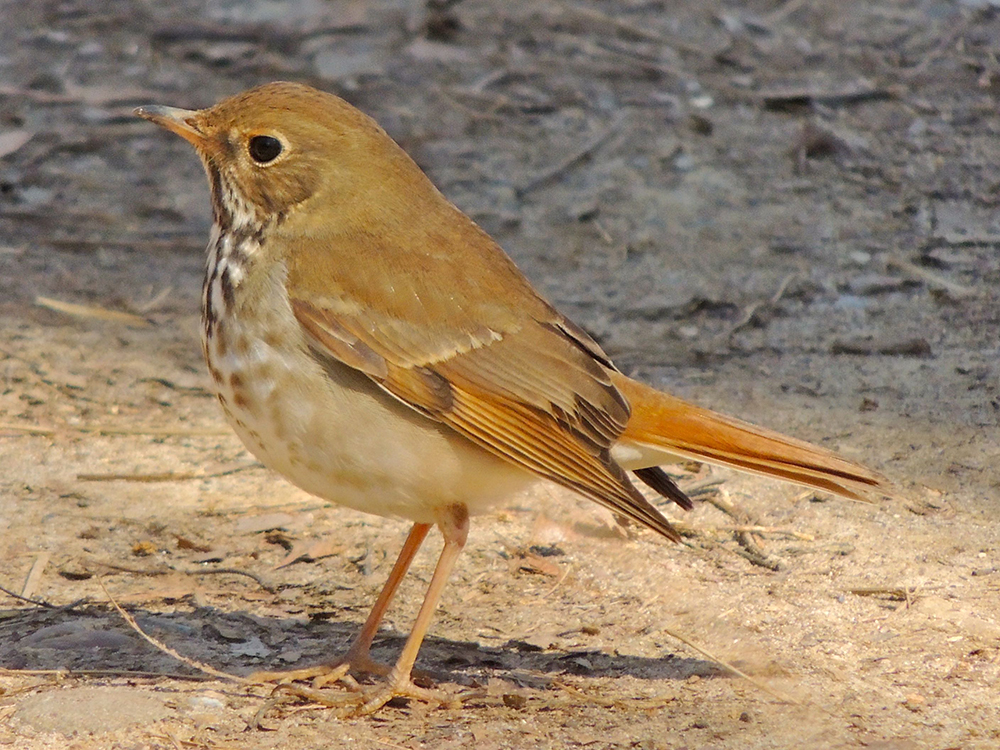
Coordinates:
[454,524]
[359,649]
[357,657]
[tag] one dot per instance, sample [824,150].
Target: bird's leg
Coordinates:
[357,657]
[454,524]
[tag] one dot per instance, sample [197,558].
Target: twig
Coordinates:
[922,274]
[570,161]
[270,588]
[200,666]
[165,476]
[747,529]
[751,549]
[393,745]
[99,673]
[895,593]
[496,102]
[35,574]
[730,668]
[940,49]
[638,32]
[91,311]
[646,704]
[704,487]
[174,740]
[751,311]
[157,300]
[147,245]
[489,79]
[108,430]
[781,100]
[777,16]
[558,583]
[42,603]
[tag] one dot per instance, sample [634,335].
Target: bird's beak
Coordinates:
[180,121]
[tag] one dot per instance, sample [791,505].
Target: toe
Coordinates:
[292,675]
[404,689]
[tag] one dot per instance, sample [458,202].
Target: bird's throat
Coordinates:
[230,253]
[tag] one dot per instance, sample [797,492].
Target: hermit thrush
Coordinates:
[372,344]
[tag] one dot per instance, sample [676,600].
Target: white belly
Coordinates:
[333,432]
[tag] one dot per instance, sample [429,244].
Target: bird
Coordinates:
[373,345]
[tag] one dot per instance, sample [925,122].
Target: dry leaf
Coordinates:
[529,562]
[266,522]
[12,140]
[311,549]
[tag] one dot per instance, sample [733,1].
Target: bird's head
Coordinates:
[278,147]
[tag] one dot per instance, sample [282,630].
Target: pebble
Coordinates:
[90,709]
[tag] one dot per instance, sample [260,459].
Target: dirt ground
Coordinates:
[782,210]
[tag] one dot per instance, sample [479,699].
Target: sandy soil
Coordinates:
[786,211]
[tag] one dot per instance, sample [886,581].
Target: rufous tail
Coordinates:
[662,426]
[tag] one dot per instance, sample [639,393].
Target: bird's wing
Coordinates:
[511,375]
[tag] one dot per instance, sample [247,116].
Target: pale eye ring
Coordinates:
[264,149]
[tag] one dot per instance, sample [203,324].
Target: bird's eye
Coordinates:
[264,148]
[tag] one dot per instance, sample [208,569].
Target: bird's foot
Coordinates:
[362,701]
[326,674]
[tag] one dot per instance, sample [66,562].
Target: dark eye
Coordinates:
[264,148]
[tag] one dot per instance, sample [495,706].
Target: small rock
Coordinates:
[253,647]
[205,703]
[144,548]
[91,709]
[513,700]
[229,632]
[871,284]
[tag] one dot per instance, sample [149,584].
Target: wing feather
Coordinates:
[533,396]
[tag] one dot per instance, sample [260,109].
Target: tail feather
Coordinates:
[657,479]
[662,426]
